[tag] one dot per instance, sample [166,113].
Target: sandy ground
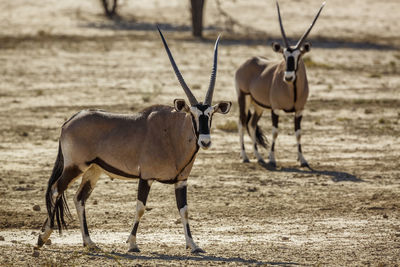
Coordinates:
[58,57]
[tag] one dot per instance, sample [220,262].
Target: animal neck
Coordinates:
[301,72]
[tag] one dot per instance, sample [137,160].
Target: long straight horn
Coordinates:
[210,91]
[282,29]
[193,101]
[300,42]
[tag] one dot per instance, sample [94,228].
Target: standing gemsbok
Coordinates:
[276,86]
[160,143]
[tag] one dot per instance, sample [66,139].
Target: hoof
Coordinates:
[40,243]
[136,249]
[305,164]
[92,248]
[246,161]
[262,162]
[272,164]
[197,251]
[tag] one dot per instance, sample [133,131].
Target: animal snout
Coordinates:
[205,144]
[289,79]
[204,141]
[289,76]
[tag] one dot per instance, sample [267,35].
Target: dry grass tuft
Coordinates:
[228,126]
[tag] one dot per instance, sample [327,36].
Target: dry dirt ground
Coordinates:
[58,57]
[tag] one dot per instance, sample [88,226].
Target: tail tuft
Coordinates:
[261,139]
[60,207]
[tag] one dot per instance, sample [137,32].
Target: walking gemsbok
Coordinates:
[276,86]
[158,144]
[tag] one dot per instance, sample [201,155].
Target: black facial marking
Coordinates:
[202,107]
[290,63]
[203,125]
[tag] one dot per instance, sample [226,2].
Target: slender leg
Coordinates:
[275,121]
[243,101]
[143,192]
[181,201]
[89,180]
[253,130]
[68,176]
[297,129]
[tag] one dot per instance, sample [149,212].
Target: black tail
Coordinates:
[261,139]
[57,209]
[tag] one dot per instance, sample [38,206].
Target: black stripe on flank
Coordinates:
[110,168]
[258,103]
[118,172]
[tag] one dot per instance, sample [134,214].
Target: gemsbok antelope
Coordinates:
[276,86]
[158,144]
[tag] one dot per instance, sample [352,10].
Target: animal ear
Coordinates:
[277,47]
[180,105]
[222,107]
[306,47]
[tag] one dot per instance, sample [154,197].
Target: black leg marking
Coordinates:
[275,119]
[273,147]
[40,242]
[242,112]
[84,193]
[188,230]
[254,119]
[82,197]
[181,197]
[143,191]
[297,123]
[255,147]
[135,227]
[85,227]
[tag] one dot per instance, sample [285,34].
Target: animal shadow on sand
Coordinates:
[193,257]
[336,176]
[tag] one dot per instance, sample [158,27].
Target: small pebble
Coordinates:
[2,238]
[36,208]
